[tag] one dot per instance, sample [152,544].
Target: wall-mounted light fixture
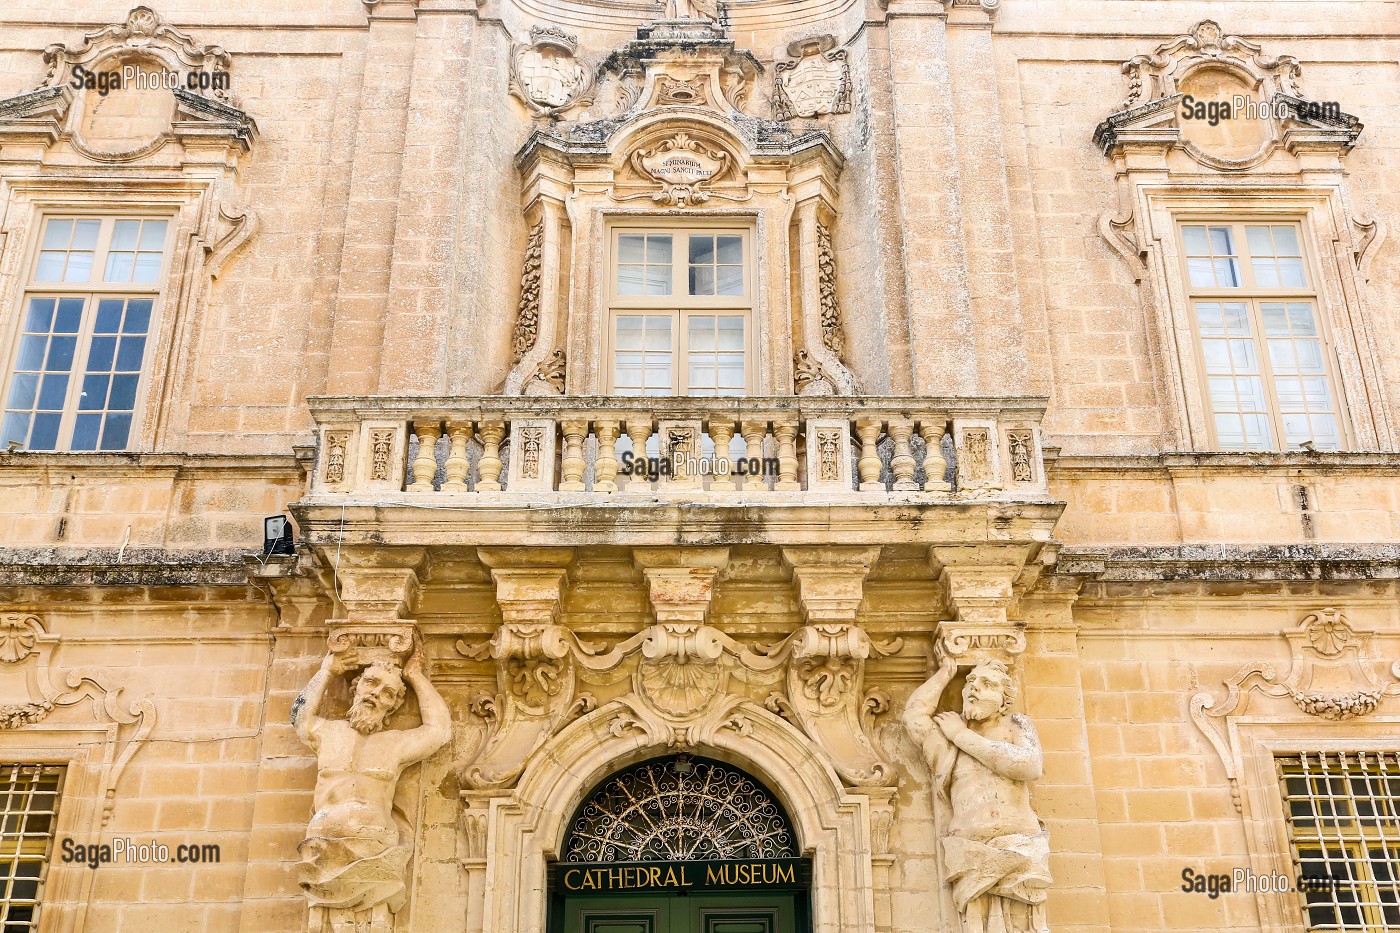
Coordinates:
[277,536]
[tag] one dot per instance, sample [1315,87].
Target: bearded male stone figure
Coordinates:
[995,851]
[357,847]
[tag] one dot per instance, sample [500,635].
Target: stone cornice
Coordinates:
[109,566]
[1231,563]
[1330,461]
[126,462]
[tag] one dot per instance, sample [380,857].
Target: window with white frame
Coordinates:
[1343,813]
[29,794]
[79,355]
[1268,373]
[679,311]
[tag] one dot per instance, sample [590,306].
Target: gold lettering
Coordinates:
[671,881]
[654,877]
[588,881]
[571,885]
[685,882]
[710,876]
[785,873]
[614,878]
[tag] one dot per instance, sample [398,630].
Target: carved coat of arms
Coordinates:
[818,82]
[546,75]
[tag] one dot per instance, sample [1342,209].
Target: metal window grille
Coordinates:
[28,809]
[1343,812]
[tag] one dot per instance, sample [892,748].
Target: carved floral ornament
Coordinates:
[685,167]
[679,678]
[1333,676]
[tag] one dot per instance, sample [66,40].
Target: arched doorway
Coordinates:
[680,844]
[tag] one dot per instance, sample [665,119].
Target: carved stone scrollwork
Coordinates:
[536,696]
[808,376]
[684,167]
[1333,676]
[26,645]
[826,696]
[818,82]
[549,376]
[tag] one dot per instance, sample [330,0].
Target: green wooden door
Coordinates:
[696,913]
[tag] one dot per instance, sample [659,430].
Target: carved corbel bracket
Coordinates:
[979,581]
[970,645]
[536,684]
[1333,676]
[377,586]
[363,643]
[826,696]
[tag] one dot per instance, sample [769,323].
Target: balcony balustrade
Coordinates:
[579,449]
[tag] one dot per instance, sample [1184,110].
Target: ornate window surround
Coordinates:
[1263,715]
[1297,175]
[580,180]
[205,234]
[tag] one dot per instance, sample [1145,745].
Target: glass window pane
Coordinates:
[57,234]
[1195,238]
[629,332]
[629,280]
[69,316]
[701,330]
[1221,241]
[1260,244]
[731,333]
[1265,273]
[126,234]
[1217,355]
[658,333]
[701,372]
[123,397]
[79,267]
[138,315]
[119,266]
[1286,240]
[1242,356]
[52,392]
[1236,317]
[147,267]
[1229,431]
[702,250]
[658,280]
[1291,273]
[129,353]
[85,234]
[31,352]
[659,248]
[658,375]
[1300,316]
[86,429]
[109,316]
[115,431]
[153,235]
[1309,356]
[1275,320]
[630,248]
[729,280]
[1202,272]
[1281,356]
[731,374]
[702,280]
[1257,434]
[45,432]
[40,317]
[94,394]
[1325,433]
[731,250]
[24,388]
[1227,273]
[60,358]
[1208,315]
[16,427]
[50,267]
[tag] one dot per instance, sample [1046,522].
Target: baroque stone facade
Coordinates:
[962,582]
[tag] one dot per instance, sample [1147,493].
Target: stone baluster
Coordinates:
[722,432]
[573,464]
[605,467]
[902,463]
[638,429]
[457,464]
[786,433]
[935,464]
[868,430]
[425,464]
[489,469]
[753,433]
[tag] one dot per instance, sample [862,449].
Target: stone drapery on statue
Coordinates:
[357,847]
[995,852]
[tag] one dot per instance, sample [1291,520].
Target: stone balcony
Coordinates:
[579,449]
[487,470]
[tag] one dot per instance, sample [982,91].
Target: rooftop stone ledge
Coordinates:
[491,449]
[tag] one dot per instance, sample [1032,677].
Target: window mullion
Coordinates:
[81,350]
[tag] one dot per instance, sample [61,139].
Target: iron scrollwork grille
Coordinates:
[680,810]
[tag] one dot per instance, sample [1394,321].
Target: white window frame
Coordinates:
[28,287]
[680,304]
[1251,295]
